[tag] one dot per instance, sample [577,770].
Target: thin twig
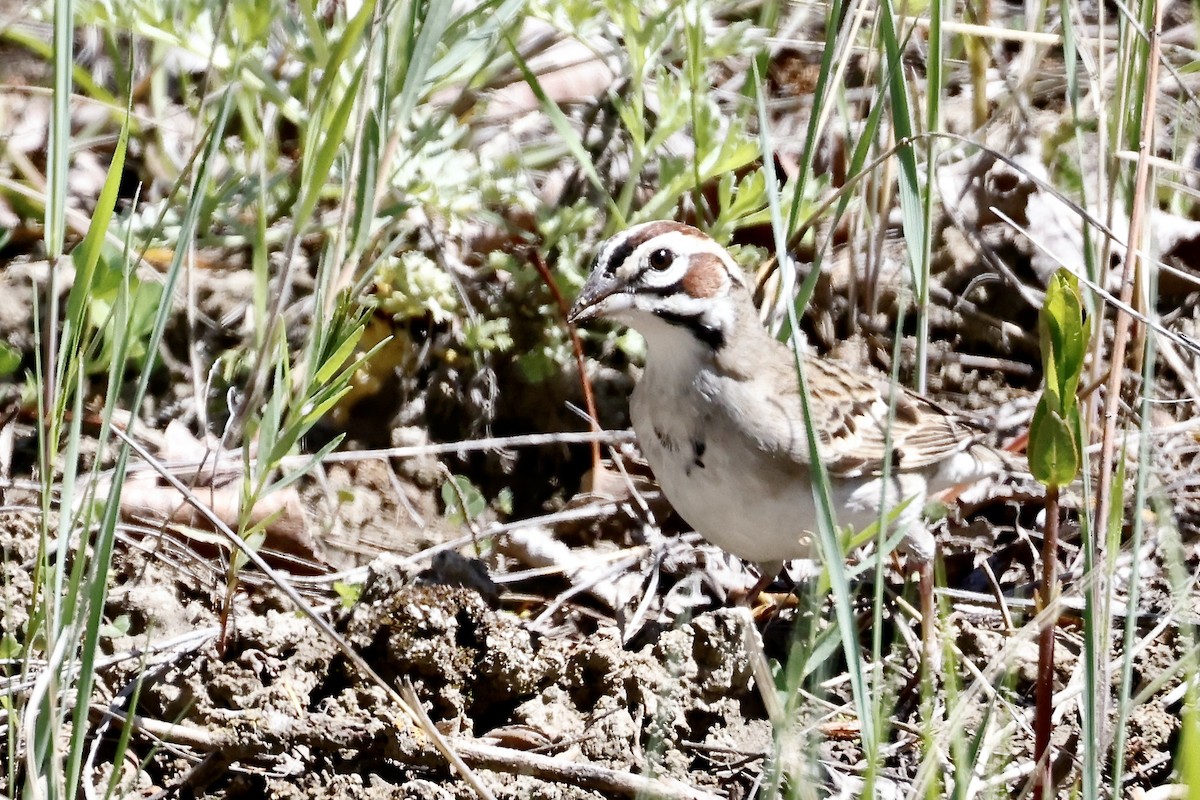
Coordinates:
[232,460]
[467,753]
[576,346]
[574,773]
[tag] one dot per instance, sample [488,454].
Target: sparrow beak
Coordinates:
[595,299]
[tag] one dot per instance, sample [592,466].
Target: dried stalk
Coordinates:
[1130,271]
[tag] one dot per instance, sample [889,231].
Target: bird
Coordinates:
[717,413]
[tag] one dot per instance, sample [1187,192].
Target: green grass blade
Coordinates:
[105,539]
[421,56]
[902,123]
[87,254]
[58,149]
[329,142]
[1092,760]
[829,547]
[291,476]
[366,183]
[351,38]
[812,134]
[914,220]
[491,19]
[562,126]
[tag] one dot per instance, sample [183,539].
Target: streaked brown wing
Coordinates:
[850,415]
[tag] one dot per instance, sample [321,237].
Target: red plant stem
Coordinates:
[1044,769]
[589,401]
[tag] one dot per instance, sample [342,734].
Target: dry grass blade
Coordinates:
[1131,270]
[448,750]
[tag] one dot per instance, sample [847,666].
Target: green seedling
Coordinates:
[1055,456]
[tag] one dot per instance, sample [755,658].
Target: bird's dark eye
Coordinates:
[660,259]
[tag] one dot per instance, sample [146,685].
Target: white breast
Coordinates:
[729,489]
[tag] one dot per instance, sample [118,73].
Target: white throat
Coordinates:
[673,355]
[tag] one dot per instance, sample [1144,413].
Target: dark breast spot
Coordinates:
[698,448]
[665,441]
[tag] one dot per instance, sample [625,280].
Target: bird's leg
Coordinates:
[931,650]
[767,573]
[922,550]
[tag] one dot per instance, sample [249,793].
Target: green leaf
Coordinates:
[1063,338]
[902,116]
[289,478]
[471,33]
[1051,381]
[10,359]
[329,142]
[9,647]
[351,38]
[364,189]
[118,627]
[504,501]
[297,428]
[725,191]
[254,540]
[348,593]
[128,331]
[537,365]
[1053,452]
[87,253]
[251,19]
[339,356]
[457,492]
[436,20]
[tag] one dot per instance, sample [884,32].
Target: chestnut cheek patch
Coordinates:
[704,277]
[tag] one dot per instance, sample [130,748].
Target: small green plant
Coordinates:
[1055,455]
[654,55]
[10,360]
[348,593]
[110,285]
[294,405]
[463,500]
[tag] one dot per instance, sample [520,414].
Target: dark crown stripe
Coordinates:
[623,251]
[631,243]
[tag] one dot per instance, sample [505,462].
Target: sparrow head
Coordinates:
[664,278]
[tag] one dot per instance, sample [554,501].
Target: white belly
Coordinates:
[729,508]
[737,497]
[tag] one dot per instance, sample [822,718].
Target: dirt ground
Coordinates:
[622,669]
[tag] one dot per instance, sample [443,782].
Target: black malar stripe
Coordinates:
[713,337]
